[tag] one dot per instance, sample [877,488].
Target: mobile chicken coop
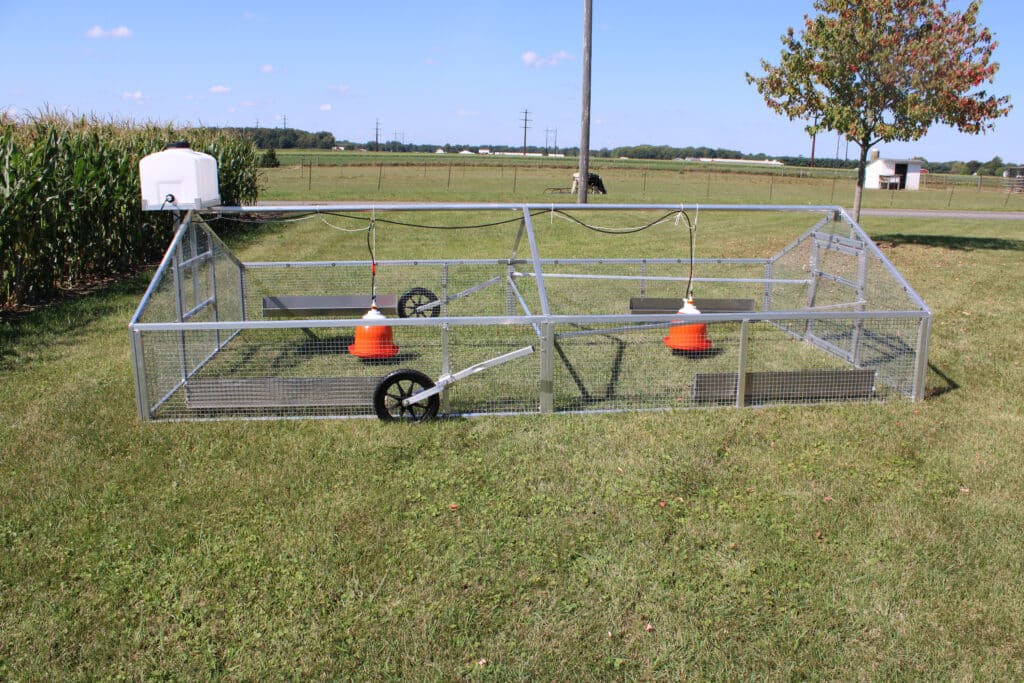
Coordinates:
[825,317]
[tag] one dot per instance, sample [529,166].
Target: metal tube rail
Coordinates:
[514,261]
[542,291]
[887,264]
[514,206]
[760,316]
[665,278]
[165,263]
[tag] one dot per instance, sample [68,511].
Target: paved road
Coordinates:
[958,215]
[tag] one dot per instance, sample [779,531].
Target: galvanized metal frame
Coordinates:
[545,322]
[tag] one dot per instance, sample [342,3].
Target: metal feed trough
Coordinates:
[826,318]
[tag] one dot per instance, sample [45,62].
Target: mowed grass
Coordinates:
[841,542]
[459,178]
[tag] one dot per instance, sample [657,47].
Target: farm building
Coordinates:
[893,174]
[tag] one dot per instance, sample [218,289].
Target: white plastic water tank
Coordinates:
[178,178]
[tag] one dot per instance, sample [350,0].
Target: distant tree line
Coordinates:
[292,138]
[286,138]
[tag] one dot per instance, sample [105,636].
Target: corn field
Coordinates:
[70,207]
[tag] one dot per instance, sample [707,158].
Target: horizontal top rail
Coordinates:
[514,206]
[598,261]
[568,319]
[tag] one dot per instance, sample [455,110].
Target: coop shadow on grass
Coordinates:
[615,381]
[613,377]
[938,383]
[957,242]
[239,357]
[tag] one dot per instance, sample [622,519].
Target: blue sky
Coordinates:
[664,71]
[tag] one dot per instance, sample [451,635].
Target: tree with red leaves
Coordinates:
[884,70]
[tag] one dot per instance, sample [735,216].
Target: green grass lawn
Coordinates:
[340,176]
[855,541]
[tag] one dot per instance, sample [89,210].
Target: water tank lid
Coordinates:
[178,144]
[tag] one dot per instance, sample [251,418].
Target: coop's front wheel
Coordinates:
[398,386]
[409,304]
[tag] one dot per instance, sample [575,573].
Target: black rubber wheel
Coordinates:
[414,298]
[398,386]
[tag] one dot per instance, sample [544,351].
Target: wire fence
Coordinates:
[627,182]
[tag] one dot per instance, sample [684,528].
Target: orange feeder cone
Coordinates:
[373,342]
[689,338]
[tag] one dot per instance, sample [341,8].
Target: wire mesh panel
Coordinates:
[825,318]
[630,367]
[607,286]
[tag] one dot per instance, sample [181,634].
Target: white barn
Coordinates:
[893,174]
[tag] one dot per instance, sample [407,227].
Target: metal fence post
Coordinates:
[921,371]
[861,293]
[139,365]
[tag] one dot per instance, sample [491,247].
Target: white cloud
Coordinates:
[98,31]
[561,56]
[133,95]
[325,107]
[466,113]
[11,112]
[340,89]
[535,61]
[247,103]
[531,58]
[219,89]
[267,68]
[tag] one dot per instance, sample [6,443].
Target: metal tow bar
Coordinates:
[444,380]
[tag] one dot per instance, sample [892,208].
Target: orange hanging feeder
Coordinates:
[373,342]
[689,338]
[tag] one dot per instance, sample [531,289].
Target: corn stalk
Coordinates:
[70,198]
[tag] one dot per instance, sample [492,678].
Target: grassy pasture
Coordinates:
[828,542]
[455,177]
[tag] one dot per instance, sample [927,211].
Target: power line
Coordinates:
[525,127]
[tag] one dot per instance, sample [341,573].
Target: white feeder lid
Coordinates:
[689,308]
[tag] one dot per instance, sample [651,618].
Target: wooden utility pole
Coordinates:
[584,183]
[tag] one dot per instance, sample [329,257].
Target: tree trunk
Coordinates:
[862,166]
